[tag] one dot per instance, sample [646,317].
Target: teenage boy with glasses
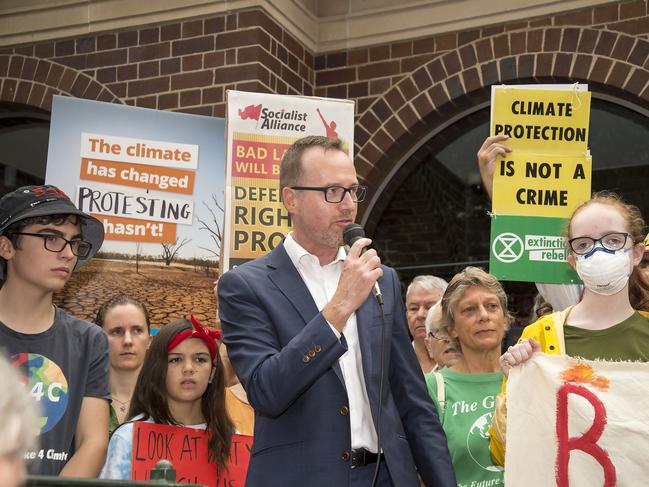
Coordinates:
[43,238]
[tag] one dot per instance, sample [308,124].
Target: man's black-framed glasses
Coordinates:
[610,241]
[335,194]
[56,243]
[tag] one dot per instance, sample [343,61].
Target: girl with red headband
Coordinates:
[181,383]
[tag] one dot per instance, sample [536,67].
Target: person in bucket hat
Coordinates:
[28,202]
[64,360]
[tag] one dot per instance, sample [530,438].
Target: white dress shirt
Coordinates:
[322,282]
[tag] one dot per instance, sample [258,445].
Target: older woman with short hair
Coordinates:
[474,319]
[438,344]
[422,293]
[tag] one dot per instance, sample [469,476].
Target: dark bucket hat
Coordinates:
[31,201]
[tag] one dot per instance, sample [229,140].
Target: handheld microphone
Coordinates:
[351,234]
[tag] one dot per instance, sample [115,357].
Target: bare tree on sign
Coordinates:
[138,251]
[169,251]
[213,225]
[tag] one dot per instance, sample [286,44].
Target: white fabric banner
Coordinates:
[577,423]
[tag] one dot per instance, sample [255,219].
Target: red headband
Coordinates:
[208,335]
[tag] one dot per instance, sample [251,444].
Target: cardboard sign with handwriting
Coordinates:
[186,449]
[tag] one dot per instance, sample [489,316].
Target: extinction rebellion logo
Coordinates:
[509,247]
[293,120]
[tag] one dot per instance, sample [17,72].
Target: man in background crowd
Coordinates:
[422,293]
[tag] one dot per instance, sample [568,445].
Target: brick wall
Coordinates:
[184,66]
[403,89]
[606,47]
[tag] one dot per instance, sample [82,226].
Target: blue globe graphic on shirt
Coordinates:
[477,443]
[47,384]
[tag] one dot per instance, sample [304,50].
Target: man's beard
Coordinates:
[332,240]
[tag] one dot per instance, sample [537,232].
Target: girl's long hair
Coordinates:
[150,395]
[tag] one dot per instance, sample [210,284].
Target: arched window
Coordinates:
[437,221]
[24,136]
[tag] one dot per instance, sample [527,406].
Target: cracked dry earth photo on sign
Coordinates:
[168,292]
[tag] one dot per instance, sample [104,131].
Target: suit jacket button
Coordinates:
[311,353]
[344,410]
[317,349]
[305,359]
[345,456]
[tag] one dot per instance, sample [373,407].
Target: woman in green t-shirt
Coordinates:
[474,319]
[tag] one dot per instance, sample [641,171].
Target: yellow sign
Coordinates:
[541,121]
[259,218]
[528,184]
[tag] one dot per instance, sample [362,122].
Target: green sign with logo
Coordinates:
[530,249]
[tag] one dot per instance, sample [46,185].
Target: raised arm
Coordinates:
[491,148]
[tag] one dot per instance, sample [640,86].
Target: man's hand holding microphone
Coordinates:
[361,270]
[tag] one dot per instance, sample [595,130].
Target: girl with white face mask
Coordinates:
[611,321]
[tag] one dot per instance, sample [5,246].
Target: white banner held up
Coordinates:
[577,423]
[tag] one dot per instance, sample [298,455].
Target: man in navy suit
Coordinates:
[303,332]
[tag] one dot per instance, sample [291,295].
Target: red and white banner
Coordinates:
[577,423]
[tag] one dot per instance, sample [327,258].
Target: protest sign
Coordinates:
[540,182]
[540,185]
[155,180]
[543,120]
[260,129]
[186,449]
[577,423]
[530,246]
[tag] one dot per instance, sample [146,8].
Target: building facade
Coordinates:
[420,73]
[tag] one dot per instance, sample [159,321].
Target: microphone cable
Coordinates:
[379,299]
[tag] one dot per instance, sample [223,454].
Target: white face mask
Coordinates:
[604,271]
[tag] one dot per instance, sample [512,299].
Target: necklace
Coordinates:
[123,404]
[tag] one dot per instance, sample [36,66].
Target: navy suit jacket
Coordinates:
[286,356]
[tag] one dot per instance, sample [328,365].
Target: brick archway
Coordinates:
[458,80]
[33,81]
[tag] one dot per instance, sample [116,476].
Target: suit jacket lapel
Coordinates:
[287,278]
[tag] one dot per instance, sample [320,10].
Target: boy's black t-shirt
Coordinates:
[61,366]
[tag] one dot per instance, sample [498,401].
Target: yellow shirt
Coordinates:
[239,410]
